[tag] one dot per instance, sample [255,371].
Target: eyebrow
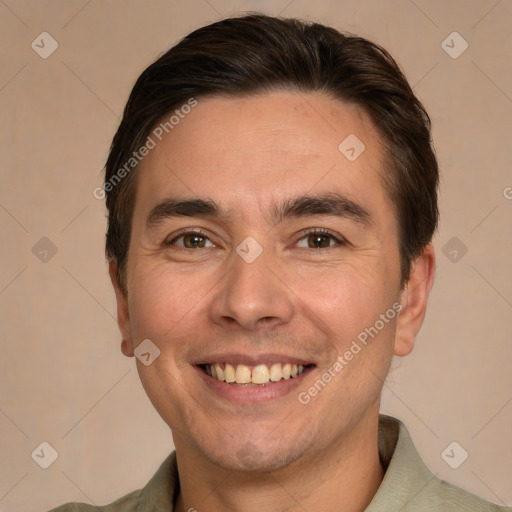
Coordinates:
[330,204]
[170,207]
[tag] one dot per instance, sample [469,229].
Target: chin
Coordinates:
[259,457]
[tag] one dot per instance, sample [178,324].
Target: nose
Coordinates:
[252,295]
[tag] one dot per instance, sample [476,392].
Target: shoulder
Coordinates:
[408,484]
[439,496]
[452,495]
[128,503]
[158,494]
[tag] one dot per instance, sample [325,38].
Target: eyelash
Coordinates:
[305,234]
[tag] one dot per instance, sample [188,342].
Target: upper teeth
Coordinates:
[260,374]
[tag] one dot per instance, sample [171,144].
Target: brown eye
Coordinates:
[319,241]
[191,240]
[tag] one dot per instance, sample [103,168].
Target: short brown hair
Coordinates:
[257,53]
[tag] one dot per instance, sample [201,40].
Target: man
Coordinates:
[272,196]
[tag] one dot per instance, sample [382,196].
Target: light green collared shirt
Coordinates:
[408,485]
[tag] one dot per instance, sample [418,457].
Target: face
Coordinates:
[259,247]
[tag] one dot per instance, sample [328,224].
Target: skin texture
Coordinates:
[198,304]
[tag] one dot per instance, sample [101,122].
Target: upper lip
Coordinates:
[252,359]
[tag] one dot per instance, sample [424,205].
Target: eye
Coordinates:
[319,239]
[191,240]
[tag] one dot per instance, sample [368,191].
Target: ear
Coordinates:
[123,314]
[413,299]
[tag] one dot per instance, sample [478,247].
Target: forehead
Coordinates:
[255,149]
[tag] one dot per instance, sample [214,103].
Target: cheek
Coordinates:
[161,301]
[165,307]
[346,298]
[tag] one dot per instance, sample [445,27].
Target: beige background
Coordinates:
[63,379]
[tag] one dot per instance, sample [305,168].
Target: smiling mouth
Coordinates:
[260,374]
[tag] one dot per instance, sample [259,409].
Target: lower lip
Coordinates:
[252,393]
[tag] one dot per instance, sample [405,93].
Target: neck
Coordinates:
[347,473]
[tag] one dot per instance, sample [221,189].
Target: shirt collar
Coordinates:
[406,475]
